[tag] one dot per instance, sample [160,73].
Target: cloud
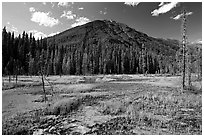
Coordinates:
[65,4]
[81,8]
[179,16]
[161,4]
[43,18]
[198,41]
[37,34]
[80,21]
[14,29]
[31,9]
[53,4]
[52,34]
[68,15]
[131,3]
[164,8]
[11,27]
[103,12]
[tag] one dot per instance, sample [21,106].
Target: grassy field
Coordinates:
[102,104]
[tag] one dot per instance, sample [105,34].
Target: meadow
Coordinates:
[102,105]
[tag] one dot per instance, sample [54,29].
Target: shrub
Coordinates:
[114,107]
[64,106]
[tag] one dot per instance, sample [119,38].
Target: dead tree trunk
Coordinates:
[189,68]
[184,40]
[43,84]
[143,59]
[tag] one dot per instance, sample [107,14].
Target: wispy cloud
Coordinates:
[31,9]
[179,16]
[37,34]
[198,41]
[164,8]
[65,4]
[53,4]
[131,3]
[43,18]
[81,8]
[161,4]
[104,12]
[11,27]
[80,21]
[68,15]
[14,29]
[52,34]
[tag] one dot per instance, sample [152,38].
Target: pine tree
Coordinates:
[5,55]
[143,59]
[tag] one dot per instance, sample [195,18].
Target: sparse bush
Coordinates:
[64,106]
[113,107]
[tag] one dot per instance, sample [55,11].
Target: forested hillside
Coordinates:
[98,47]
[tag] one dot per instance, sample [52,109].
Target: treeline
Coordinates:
[24,55]
[21,55]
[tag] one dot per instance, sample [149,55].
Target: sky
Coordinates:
[156,19]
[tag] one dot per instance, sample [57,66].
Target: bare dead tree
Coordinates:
[186,54]
[184,41]
[43,84]
[143,59]
[189,67]
[42,73]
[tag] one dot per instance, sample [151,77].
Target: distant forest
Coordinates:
[24,55]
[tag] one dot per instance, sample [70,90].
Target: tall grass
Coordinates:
[177,112]
[64,106]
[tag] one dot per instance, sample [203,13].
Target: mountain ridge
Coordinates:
[111,47]
[119,29]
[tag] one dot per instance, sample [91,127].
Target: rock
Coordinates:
[108,79]
[40,99]
[104,79]
[65,122]
[46,129]
[98,80]
[139,131]
[82,130]
[80,81]
[73,120]
[91,124]
[94,129]
[51,117]
[51,129]
[44,125]
[72,125]
[38,132]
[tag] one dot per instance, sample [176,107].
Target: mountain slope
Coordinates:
[104,46]
[113,32]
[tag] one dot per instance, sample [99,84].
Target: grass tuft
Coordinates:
[180,113]
[64,106]
[114,106]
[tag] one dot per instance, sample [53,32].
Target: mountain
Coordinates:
[98,47]
[112,32]
[104,46]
